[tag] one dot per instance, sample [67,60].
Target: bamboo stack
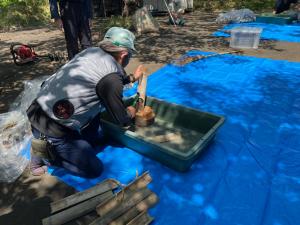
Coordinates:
[129,206]
[126,207]
[80,204]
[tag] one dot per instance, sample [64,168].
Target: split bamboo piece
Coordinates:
[129,215]
[139,183]
[142,86]
[144,115]
[76,211]
[109,184]
[123,206]
[143,218]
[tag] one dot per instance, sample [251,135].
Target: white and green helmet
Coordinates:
[120,37]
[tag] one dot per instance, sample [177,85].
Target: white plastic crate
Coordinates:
[245,37]
[160,5]
[156,5]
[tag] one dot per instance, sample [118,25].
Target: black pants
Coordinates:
[75,153]
[76,27]
[283,5]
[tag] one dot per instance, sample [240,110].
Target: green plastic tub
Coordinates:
[274,19]
[177,137]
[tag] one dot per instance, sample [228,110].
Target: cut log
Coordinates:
[144,205]
[123,206]
[76,211]
[76,198]
[139,183]
[142,219]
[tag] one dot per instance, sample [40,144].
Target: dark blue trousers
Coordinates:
[76,27]
[283,5]
[75,152]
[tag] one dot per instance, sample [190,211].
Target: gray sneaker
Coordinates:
[39,171]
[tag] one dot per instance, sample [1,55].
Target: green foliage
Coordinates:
[32,12]
[119,21]
[23,12]
[256,5]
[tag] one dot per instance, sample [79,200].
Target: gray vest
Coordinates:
[75,83]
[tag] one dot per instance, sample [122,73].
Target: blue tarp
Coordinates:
[289,33]
[251,173]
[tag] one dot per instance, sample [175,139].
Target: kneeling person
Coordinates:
[65,114]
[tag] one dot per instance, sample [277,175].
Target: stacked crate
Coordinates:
[160,5]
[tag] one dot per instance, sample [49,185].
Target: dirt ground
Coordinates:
[27,200]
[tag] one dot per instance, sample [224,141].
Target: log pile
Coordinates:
[127,206]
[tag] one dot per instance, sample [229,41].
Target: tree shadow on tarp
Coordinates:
[249,139]
[251,168]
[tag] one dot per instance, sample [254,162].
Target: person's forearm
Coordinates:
[110,91]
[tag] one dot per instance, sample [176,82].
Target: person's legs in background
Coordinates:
[85,36]
[70,20]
